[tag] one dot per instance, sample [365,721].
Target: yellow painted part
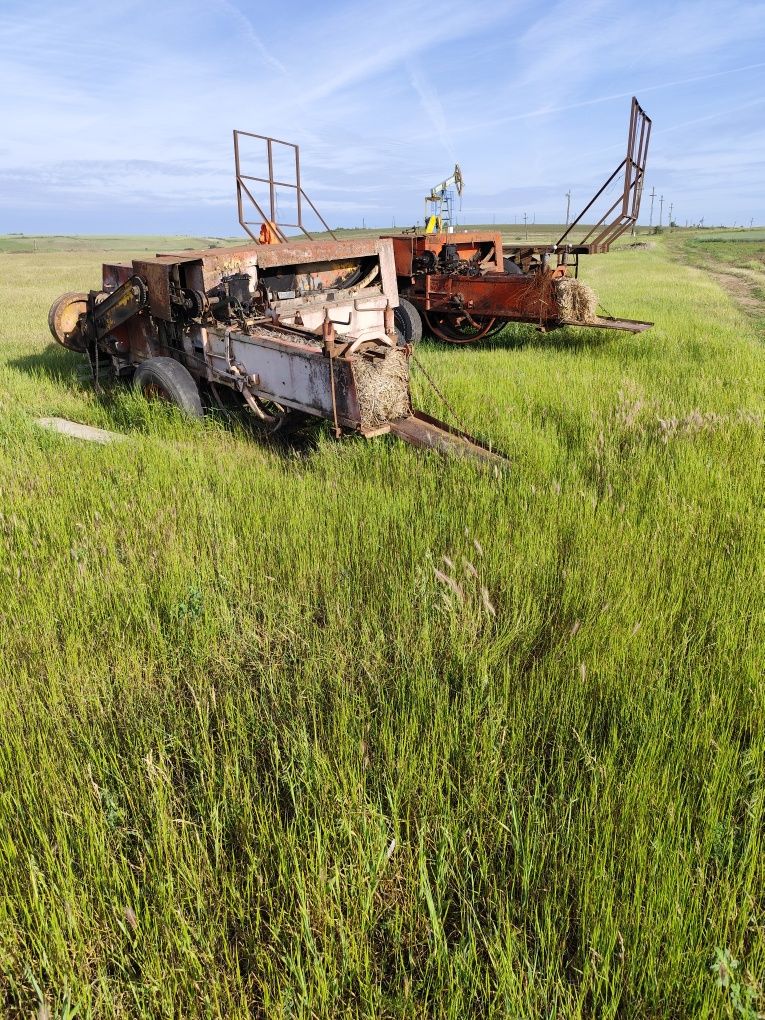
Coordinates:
[433,225]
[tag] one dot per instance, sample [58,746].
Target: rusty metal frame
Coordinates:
[243,191]
[633,165]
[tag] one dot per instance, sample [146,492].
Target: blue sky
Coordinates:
[117,117]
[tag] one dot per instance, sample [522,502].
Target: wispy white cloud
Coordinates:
[432,107]
[549,111]
[104,106]
[245,26]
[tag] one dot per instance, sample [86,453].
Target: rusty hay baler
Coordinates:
[464,286]
[290,332]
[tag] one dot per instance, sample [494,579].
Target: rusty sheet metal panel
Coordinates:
[297,252]
[115,273]
[388,271]
[318,251]
[157,276]
[294,374]
[139,336]
[218,262]
[528,298]
[405,250]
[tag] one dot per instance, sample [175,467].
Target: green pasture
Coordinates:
[345,729]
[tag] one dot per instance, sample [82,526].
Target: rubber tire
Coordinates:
[174,379]
[408,322]
[512,268]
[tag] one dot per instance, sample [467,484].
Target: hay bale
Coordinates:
[382,387]
[576,301]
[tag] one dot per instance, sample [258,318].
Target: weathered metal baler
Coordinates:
[304,328]
[464,286]
[461,288]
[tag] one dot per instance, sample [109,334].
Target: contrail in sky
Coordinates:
[544,111]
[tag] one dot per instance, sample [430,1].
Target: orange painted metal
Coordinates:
[496,295]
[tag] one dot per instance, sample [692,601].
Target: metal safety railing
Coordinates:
[603,233]
[271,227]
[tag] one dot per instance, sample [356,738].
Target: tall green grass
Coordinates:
[356,731]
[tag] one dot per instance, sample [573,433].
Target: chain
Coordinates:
[439,394]
[95,370]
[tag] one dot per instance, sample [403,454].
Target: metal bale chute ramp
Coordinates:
[419,429]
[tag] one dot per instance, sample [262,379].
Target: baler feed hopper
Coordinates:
[289,331]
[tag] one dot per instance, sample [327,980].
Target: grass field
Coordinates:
[258,759]
[735,258]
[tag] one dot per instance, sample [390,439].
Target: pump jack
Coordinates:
[437,204]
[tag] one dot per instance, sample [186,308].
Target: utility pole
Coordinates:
[568,205]
[751,222]
[661,208]
[526,225]
[653,195]
[671,207]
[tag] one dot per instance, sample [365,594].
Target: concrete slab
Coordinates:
[78,431]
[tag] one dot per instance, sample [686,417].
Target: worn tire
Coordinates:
[512,268]
[167,379]
[408,322]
